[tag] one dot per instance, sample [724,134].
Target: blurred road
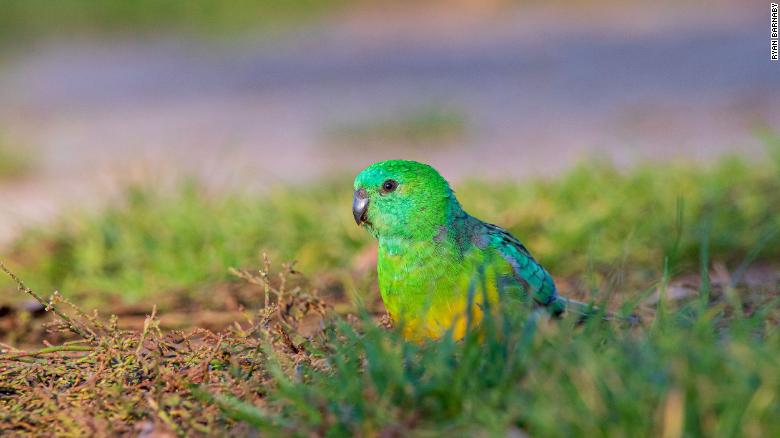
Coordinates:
[534,92]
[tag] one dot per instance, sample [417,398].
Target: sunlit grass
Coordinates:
[595,223]
[35,19]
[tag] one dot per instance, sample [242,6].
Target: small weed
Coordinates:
[14,162]
[112,382]
[426,126]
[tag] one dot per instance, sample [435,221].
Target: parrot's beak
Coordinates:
[360,206]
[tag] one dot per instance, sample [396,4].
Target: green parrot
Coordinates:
[436,263]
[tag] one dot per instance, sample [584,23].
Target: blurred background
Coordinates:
[254,93]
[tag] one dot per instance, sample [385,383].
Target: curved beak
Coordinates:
[360,206]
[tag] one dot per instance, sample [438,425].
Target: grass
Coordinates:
[610,227]
[703,368]
[297,362]
[691,373]
[35,19]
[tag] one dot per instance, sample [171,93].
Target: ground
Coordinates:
[198,348]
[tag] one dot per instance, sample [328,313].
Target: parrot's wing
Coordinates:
[527,271]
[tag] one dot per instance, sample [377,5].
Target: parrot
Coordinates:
[436,264]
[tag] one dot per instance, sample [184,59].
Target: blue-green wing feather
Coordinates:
[532,277]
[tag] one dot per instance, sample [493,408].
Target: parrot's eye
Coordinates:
[389,185]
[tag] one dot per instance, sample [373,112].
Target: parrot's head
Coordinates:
[401,199]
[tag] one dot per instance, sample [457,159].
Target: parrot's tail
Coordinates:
[585,311]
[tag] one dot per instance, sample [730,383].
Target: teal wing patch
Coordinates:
[533,278]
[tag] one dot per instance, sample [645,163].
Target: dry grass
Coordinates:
[111,381]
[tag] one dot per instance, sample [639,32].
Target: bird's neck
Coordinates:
[446,237]
[424,230]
